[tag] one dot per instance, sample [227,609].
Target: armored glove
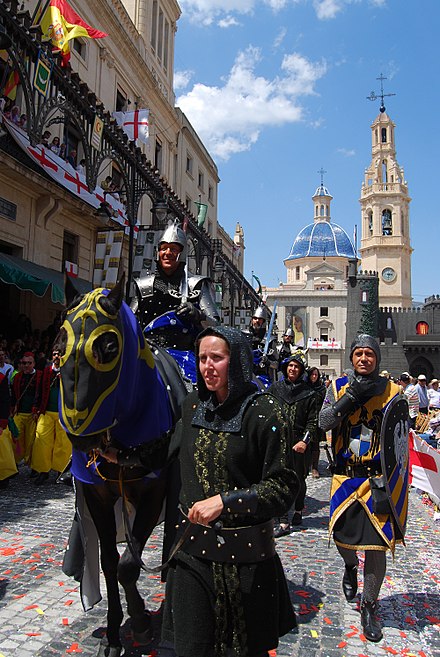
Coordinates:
[361,389]
[187,312]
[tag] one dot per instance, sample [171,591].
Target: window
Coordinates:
[160,35]
[422,328]
[384,135]
[70,248]
[154,26]
[188,203]
[210,193]
[80,47]
[370,223]
[201,180]
[323,311]
[8,209]
[189,164]
[297,271]
[166,38]
[158,155]
[121,101]
[384,172]
[387,223]
[323,360]
[323,335]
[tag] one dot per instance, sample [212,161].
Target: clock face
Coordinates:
[389,275]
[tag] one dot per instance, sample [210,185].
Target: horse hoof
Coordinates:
[143,638]
[109,651]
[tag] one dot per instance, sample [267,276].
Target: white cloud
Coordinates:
[229,118]
[182,79]
[347,152]
[280,38]
[229,21]
[206,12]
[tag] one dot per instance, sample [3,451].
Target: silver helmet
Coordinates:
[260,313]
[289,333]
[173,234]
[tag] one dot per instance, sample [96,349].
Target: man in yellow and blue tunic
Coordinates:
[369,493]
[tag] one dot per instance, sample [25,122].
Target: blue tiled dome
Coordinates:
[322,239]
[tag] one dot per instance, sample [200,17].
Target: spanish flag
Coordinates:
[60,23]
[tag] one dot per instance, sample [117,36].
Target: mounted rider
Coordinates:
[260,335]
[170,289]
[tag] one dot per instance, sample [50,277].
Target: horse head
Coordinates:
[91,342]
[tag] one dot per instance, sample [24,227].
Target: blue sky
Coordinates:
[278,89]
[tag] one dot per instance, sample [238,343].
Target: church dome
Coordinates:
[322,239]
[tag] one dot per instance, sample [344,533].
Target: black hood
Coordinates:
[227,415]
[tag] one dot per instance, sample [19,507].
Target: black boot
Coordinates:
[350,582]
[371,626]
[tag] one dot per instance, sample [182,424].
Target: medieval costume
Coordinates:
[8,466]
[226,590]
[23,392]
[364,513]
[173,289]
[300,406]
[265,364]
[52,449]
[317,384]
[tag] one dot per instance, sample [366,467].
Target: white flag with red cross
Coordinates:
[424,465]
[134,124]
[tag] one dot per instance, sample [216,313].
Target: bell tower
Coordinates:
[385,244]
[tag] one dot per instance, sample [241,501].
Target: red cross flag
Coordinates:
[134,124]
[424,463]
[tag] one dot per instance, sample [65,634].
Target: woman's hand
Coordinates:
[205,511]
[111,454]
[300,447]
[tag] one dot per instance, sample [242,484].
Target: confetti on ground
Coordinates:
[74,648]
[33,633]
[65,621]
[342,644]
[314,634]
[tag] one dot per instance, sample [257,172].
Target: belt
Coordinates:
[363,471]
[248,544]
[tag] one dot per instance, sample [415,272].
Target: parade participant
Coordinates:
[170,288]
[226,590]
[422,391]
[52,449]
[23,391]
[265,364]
[300,406]
[8,466]
[286,349]
[317,384]
[369,418]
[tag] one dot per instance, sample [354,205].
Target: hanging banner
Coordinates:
[96,140]
[107,258]
[43,71]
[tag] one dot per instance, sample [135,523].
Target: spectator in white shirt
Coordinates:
[422,390]
[411,394]
[434,395]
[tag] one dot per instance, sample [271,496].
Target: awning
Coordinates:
[36,279]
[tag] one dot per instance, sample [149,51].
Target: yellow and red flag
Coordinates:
[60,23]
[10,90]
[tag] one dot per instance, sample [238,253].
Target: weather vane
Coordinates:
[322,172]
[374,96]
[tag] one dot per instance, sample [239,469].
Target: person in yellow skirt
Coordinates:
[52,449]
[8,467]
[23,391]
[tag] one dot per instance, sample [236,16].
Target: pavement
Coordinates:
[41,613]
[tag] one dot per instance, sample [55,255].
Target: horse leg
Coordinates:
[100,502]
[148,499]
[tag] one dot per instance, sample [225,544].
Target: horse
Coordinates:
[112,394]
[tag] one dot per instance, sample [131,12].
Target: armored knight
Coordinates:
[171,289]
[265,364]
[368,417]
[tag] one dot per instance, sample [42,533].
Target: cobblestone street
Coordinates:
[41,614]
